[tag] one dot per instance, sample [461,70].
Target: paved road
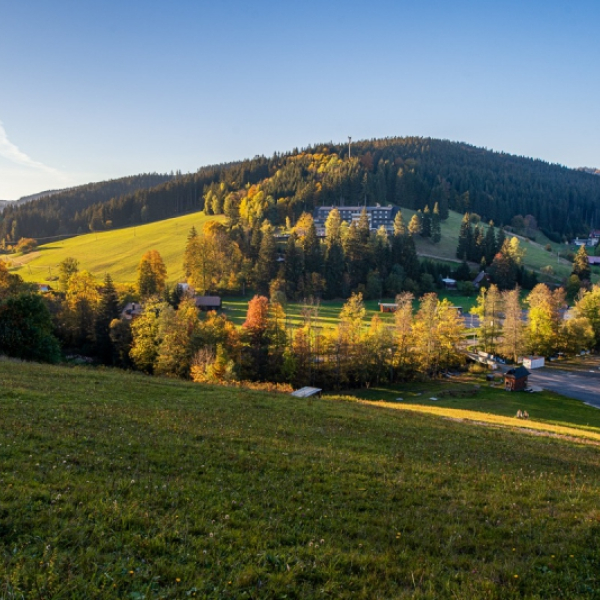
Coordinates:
[581,385]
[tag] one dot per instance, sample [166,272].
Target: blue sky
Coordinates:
[92,91]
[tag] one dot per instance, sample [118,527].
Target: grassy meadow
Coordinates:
[117,485]
[328,310]
[117,252]
[474,398]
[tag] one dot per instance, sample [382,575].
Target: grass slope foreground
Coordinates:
[115,485]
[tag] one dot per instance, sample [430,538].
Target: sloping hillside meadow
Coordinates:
[116,485]
[118,252]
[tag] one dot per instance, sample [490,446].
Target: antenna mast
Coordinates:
[349,149]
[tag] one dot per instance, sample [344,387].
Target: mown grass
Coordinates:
[117,252]
[122,486]
[328,311]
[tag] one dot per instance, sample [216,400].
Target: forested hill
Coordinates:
[56,212]
[411,172]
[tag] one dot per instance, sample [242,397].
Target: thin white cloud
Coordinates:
[11,152]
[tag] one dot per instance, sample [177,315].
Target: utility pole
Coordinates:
[349,149]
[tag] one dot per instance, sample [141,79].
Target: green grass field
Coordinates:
[328,310]
[116,485]
[116,252]
[476,395]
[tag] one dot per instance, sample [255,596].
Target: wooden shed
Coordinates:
[515,380]
[208,302]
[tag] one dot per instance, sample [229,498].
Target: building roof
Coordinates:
[480,276]
[518,373]
[208,301]
[306,392]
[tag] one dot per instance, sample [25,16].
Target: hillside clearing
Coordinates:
[117,252]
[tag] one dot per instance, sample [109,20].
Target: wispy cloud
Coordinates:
[11,152]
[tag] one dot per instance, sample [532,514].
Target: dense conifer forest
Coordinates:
[410,172]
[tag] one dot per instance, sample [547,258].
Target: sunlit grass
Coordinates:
[116,252]
[116,485]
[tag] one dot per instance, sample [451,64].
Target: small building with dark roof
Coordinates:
[515,380]
[208,302]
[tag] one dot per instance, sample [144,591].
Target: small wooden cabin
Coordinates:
[208,302]
[515,380]
[388,307]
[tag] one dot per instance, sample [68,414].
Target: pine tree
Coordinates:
[465,239]
[108,309]
[266,265]
[293,267]
[426,222]
[364,227]
[436,227]
[489,244]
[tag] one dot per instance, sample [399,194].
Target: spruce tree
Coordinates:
[426,222]
[436,226]
[108,310]
[465,239]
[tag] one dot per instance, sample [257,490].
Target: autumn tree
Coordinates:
[68,267]
[489,311]
[152,274]
[581,265]
[512,342]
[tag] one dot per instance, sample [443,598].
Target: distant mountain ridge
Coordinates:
[589,170]
[412,172]
[30,198]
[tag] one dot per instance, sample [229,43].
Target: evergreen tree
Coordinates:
[426,222]
[436,227]
[108,310]
[266,265]
[293,268]
[489,244]
[364,228]
[334,270]
[465,239]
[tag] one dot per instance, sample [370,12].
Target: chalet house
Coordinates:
[515,380]
[449,283]
[378,216]
[206,303]
[594,260]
